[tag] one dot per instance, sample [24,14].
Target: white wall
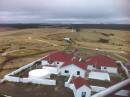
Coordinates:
[70,85]
[124,93]
[83,89]
[100,76]
[72,70]
[23,67]
[52,70]
[39,81]
[110,69]
[113,88]
[103,68]
[97,88]
[57,63]
[90,67]
[30,80]
[44,62]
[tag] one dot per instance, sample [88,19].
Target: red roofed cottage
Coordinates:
[57,58]
[103,63]
[81,87]
[73,67]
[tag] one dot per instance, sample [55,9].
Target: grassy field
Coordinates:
[19,47]
[20,43]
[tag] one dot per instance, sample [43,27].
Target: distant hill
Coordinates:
[69,26]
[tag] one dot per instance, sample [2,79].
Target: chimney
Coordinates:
[73,58]
[80,59]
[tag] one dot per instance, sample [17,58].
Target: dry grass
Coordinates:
[2,59]
[87,37]
[35,41]
[28,45]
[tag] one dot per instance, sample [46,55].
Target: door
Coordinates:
[83,94]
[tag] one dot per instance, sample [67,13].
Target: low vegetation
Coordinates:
[23,46]
[31,42]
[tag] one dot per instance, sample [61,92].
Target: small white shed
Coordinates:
[102,63]
[104,76]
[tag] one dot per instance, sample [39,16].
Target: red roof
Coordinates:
[67,58]
[76,62]
[79,82]
[59,56]
[101,60]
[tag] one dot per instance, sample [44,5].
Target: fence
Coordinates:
[23,68]
[11,78]
[30,80]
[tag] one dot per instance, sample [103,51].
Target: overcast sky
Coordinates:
[64,11]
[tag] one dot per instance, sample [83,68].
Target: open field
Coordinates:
[22,46]
[20,43]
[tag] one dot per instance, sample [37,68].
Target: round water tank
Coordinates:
[39,73]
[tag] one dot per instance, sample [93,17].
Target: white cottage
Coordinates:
[74,68]
[56,58]
[81,87]
[103,63]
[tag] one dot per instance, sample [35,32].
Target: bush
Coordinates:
[104,40]
[22,47]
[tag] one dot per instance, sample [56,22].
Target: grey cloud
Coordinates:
[92,11]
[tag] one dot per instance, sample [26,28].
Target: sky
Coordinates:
[65,11]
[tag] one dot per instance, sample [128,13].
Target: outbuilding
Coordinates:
[99,75]
[57,58]
[81,87]
[39,73]
[103,63]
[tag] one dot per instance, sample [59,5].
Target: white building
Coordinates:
[56,58]
[39,73]
[80,87]
[103,63]
[98,75]
[73,68]
[65,64]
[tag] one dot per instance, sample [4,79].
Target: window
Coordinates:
[93,66]
[78,72]
[66,71]
[99,68]
[105,67]
[83,94]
